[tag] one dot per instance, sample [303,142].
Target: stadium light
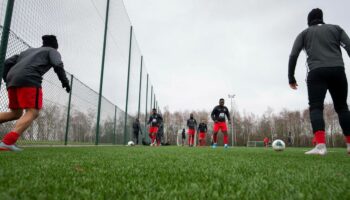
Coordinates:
[232,132]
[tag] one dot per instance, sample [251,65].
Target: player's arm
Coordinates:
[293,57]
[344,40]
[213,117]
[56,62]
[149,120]
[9,63]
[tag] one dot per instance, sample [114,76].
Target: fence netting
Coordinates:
[79,26]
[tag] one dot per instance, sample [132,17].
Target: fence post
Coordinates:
[146,112]
[115,124]
[101,77]
[5,35]
[151,97]
[138,111]
[68,111]
[127,88]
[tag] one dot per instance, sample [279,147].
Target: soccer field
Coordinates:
[173,173]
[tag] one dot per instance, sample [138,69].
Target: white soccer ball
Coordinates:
[278,145]
[131,143]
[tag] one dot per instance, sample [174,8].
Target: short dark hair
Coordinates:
[222,99]
[50,41]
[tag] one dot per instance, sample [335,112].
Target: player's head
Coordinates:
[221,102]
[315,17]
[50,41]
[191,116]
[154,111]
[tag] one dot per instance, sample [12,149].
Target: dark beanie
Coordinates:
[50,41]
[315,17]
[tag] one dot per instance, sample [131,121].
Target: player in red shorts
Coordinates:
[192,125]
[218,116]
[266,142]
[202,129]
[154,120]
[23,76]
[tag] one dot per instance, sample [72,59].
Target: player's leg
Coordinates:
[150,135]
[317,88]
[338,88]
[21,125]
[15,110]
[215,134]
[224,132]
[14,114]
[29,99]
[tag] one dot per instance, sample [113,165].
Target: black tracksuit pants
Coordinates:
[334,80]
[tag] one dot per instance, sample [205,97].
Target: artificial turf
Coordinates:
[173,173]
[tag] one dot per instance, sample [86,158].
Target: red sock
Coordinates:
[10,138]
[320,137]
[225,139]
[215,138]
[347,139]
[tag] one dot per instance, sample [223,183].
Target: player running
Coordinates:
[154,120]
[192,125]
[202,129]
[218,116]
[23,75]
[322,43]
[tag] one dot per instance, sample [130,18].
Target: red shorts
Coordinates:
[219,125]
[153,129]
[191,131]
[201,135]
[25,97]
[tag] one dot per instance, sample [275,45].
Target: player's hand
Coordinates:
[66,85]
[294,86]
[68,89]
[229,121]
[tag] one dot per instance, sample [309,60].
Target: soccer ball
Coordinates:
[131,143]
[278,145]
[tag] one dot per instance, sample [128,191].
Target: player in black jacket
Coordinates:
[192,125]
[202,129]
[321,42]
[218,116]
[154,121]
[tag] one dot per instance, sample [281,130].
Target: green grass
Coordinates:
[173,173]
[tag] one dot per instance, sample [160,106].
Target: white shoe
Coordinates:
[319,149]
[5,147]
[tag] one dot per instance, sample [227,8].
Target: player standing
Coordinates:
[322,43]
[154,120]
[218,116]
[192,125]
[202,129]
[23,75]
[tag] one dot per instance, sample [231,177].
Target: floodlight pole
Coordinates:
[232,121]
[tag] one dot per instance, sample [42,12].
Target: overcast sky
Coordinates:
[198,51]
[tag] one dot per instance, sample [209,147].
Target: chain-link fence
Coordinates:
[80,26]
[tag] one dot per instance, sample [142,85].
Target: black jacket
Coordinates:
[219,112]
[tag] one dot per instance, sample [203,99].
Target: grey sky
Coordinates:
[200,50]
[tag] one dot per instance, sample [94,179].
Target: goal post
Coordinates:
[255,144]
